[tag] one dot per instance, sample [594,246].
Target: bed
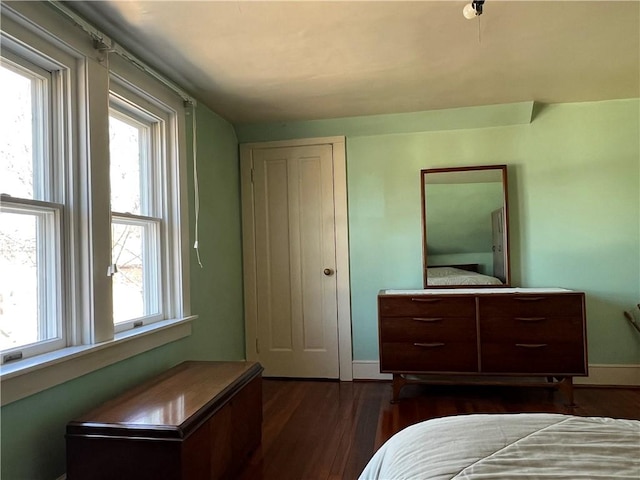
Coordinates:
[510,446]
[438,276]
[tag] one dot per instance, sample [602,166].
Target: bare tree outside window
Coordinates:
[16,134]
[18,232]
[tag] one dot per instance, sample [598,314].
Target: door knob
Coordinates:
[328,272]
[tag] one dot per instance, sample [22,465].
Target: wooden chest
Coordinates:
[198,420]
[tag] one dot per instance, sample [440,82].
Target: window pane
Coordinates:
[127,149]
[135,285]
[25,311]
[16,133]
[128,285]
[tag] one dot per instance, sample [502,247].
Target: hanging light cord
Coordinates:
[195,183]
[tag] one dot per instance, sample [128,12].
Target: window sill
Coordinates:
[32,375]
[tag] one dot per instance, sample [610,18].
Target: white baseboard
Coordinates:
[614,375]
[369,370]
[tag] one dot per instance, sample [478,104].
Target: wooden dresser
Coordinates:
[488,335]
[198,420]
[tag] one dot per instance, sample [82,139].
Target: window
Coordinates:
[145,201]
[135,162]
[31,210]
[93,213]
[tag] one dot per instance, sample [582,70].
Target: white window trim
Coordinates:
[95,347]
[131,107]
[152,226]
[56,67]
[51,258]
[35,374]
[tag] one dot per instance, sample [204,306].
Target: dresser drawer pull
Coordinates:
[531,345]
[427,320]
[530,319]
[429,345]
[425,300]
[529,299]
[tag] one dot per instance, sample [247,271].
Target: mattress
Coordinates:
[511,446]
[455,276]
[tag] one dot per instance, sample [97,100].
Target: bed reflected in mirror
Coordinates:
[465,227]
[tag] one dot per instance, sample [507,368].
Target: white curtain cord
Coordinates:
[195,182]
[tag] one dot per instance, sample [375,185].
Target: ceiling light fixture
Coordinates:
[473,9]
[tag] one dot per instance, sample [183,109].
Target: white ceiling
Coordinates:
[256,61]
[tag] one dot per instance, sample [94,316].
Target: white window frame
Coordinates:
[85,75]
[129,84]
[49,227]
[47,204]
[152,274]
[126,106]
[43,124]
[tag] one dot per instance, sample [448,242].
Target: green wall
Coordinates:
[459,217]
[574,190]
[216,289]
[32,429]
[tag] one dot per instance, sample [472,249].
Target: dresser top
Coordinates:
[473,291]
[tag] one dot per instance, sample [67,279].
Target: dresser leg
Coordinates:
[565,385]
[398,383]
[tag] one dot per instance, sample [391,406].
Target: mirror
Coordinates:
[465,222]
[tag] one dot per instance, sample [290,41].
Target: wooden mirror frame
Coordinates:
[505,224]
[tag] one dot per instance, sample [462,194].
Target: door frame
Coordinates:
[345,359]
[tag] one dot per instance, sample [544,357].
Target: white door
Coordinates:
[498,240]
[295,261]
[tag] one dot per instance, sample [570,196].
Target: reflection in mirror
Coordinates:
[465,220]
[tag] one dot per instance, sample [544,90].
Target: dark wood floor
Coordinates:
[317,430]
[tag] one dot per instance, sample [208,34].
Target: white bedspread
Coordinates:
[511,446]
[456,276]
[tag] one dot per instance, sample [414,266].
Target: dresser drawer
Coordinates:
[427,305]
[424,329]
[566,305]
[532,329]
[428,357]
[542,358]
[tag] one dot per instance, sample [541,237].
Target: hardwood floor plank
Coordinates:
[327,430]
[303,433]
[337,449]
[366,422]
